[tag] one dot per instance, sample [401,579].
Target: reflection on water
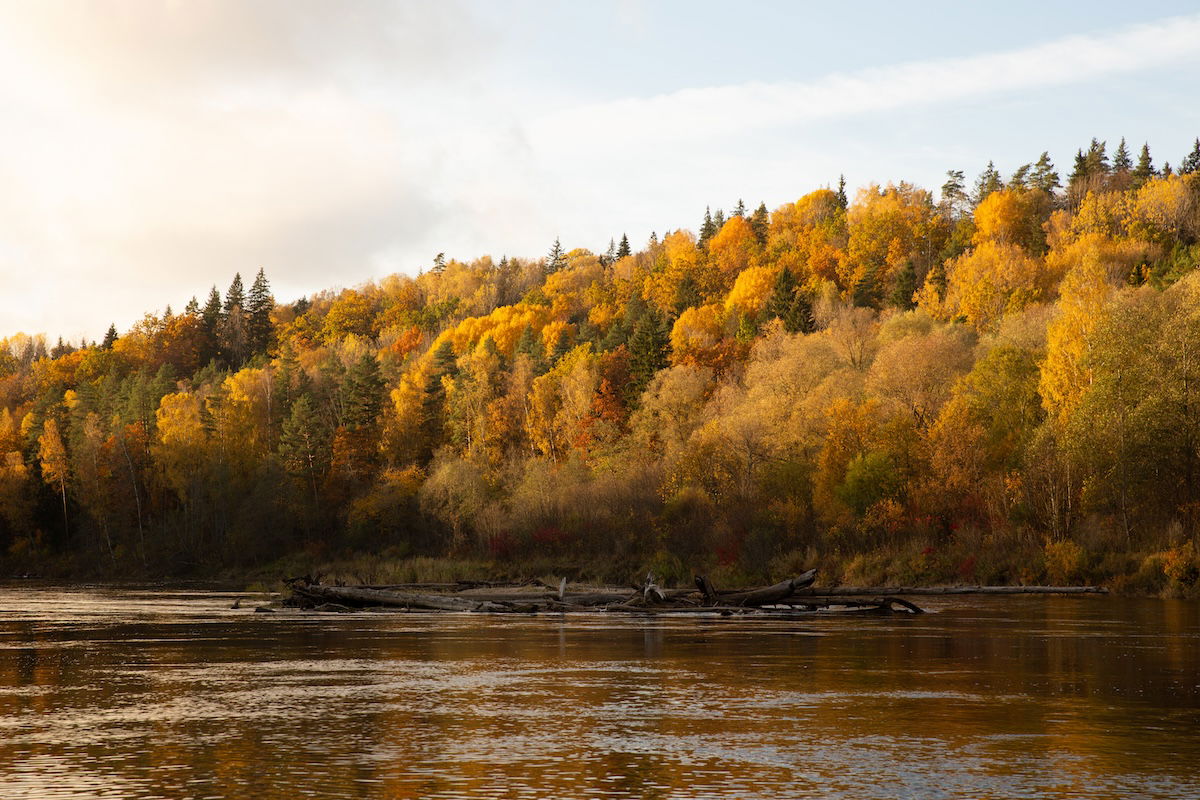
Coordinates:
[136,694]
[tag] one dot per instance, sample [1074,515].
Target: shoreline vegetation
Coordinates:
[999,384]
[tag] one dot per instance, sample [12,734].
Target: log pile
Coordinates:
[786,598]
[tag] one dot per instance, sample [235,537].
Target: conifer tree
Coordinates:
[259,304]
[1044,176]
[1144,170]
[1191,162]
[235,296]
[192,309]
[760,223]
[842,201]
[740,209]
[304,444]
[109,338]
[707,228]
[955,200]
[1121,160]
[989,181]
[555,260]
[904,288]
[623,248]
[649,346]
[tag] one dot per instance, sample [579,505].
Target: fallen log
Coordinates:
[755,597]
[872,591]
[359,597]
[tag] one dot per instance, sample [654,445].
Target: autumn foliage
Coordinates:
[971,381]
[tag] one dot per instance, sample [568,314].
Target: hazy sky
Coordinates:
[151,149]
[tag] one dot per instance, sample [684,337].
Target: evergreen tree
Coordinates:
[955,200]
[904,288]
[865,292]
[1044,176]
[556,260]
[782,294]
[529,345]
[718,221]
[1097,159]
[211,315]
[1191,162]
[1121,160]
[1020,178]
[740,209]
[192,309]
[259,304]
[439,264]
[989,181]
[363,393]
[304,444]
[707,228]
[109,338]
[562,346]
[443,365]
[623,249]
[842,201]
[649,346]
[687,294]
[610,255]
[760,223]
[1166,169]
[235,296]
[1144,170]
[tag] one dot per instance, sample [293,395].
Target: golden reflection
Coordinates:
[1011,697]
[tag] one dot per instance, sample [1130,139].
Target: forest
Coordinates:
[999,383]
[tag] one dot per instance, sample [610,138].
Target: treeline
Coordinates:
[999,385]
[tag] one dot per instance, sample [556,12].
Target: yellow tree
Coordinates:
[55,465]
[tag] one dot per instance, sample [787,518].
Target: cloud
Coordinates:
[713,112]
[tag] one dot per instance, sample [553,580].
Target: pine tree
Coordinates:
[259,304]
[1044,176]
[842,201]
[1097,159]
[562,346]
[623,249]
[555,260]
[362,392]
[211,314]
[1020,178]
[707,228]
[610,255]
[1144,170]
[782,294]
[304,443]
[109,338]
[235,296]
[192,309]
[687,294]
[989,181]
[904,288]
[443,365]
[718,221]
[740,209]
[649,346]
[954,196]
[1191,162]
[760,223]
[529,345]
[1121,160]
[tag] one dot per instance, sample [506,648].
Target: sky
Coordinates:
[151,149]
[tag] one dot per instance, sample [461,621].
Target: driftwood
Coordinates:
[873,591]
[780,599]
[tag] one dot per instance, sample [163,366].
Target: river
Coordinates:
[171,694]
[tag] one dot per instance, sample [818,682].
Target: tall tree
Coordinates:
[955,200]
[259,305]
[623,248]
[988,181]
[760,223]
[1121,160]
[109,338]
[1144,170]
[52,454]
[556,259]
[1044,176]
[1191,162]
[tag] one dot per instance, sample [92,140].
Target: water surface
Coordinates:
[153,694]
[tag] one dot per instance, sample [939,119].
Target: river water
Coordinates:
[153,694]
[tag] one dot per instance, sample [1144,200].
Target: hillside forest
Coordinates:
[999,383]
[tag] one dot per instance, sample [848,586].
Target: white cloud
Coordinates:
[713,112]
